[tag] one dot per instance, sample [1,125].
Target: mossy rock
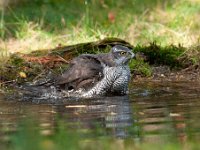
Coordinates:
[172,55]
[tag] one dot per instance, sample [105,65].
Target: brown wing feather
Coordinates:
[83,72]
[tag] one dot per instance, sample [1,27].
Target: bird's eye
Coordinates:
[122,53]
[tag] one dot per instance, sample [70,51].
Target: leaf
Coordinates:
[22,74]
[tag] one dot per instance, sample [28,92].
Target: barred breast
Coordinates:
[115,81]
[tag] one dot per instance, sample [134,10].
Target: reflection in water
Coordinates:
[170,111]
[152,111]
[112,113]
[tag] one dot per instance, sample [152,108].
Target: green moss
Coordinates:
[153,54]
[159,55]
[16,65]
[16,61]
[139,67]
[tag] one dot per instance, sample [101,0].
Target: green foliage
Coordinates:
[57,15]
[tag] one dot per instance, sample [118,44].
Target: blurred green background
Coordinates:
[40,24]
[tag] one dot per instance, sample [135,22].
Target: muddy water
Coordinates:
[152,111]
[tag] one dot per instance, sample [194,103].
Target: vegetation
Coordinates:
[45,24]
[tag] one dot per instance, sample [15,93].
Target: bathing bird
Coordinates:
[98,74]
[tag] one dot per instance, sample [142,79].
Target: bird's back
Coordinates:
[83,72]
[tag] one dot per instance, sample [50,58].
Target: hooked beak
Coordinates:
[132,55]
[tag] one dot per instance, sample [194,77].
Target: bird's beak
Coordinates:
[132,55]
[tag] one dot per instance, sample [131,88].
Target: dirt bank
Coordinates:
[152,63]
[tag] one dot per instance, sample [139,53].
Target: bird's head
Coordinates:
[122,55]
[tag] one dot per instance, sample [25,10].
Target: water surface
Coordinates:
[152,111]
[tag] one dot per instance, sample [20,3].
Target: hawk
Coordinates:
[98,74]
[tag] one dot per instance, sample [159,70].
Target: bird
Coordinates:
[98,74]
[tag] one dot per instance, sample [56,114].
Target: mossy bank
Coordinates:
[152,61]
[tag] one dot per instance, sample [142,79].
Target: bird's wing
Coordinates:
[82,72]
[107,59]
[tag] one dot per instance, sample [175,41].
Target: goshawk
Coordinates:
[100,74]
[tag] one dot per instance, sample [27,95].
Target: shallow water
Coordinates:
[152,111]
